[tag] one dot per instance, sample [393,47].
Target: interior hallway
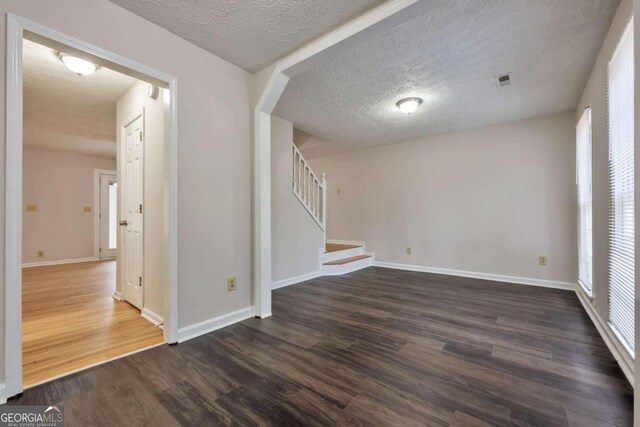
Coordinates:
[71,321]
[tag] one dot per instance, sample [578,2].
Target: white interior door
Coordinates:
[108,216]
[132,219]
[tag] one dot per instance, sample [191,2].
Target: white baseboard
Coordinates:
[193,331]
[152,317]
[3,394]
[117,295]
[58,262]
[474,275]
[615,347]
[293,280]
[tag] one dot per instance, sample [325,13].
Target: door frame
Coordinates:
[17,29]
[97,209]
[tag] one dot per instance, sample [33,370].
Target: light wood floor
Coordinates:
[70,320]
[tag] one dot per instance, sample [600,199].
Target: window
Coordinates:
[583,181]
[621,205]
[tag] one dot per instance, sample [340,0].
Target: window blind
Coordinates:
[621,178]
[583,182]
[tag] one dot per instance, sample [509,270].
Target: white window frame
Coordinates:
[584,187]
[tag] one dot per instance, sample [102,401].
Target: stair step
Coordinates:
[335,247]
[348,260]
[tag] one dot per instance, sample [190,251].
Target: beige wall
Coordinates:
[295,237]
[489,200]
[595,95]
[60,183]
[214,149]
[155,260]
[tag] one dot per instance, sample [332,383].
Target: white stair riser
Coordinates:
[337,270]
[347,253]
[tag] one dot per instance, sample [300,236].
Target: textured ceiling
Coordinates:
[451,57]
[249,33]
[65,111]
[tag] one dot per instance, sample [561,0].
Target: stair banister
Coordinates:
[310,190]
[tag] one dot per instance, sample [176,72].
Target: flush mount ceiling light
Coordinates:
[80,66]
[409,105]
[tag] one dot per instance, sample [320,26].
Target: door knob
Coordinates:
[125,223]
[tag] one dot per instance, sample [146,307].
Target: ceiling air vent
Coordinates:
[504,80]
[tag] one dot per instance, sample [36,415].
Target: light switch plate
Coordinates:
[86,209]
[32,208]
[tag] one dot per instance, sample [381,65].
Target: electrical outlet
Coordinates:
[32,208]
[86,209]
[542,260]
[407,250]
[40,253]
[231,284]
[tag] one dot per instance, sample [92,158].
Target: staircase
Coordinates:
[311,192]
[339,258]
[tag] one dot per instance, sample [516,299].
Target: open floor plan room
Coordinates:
[319,213]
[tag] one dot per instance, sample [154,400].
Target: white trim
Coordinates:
[96,207]
[3,394]
[16,26]
[615,346]
[13,210]
[93,365]
[293,280]
[152,317]
[484,276]
[117,295]
[61,261]
[587,292]
[201,328]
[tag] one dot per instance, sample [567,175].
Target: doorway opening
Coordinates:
[105,219]
[90,202]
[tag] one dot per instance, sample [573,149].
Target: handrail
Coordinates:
[310,190]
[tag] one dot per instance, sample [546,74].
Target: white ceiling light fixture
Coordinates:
[409,105]
[80,66]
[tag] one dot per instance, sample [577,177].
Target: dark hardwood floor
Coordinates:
[374,347]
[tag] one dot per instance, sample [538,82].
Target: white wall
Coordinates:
[489,200]
[60,183]
[214,148]
[295,236]
[155,255]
